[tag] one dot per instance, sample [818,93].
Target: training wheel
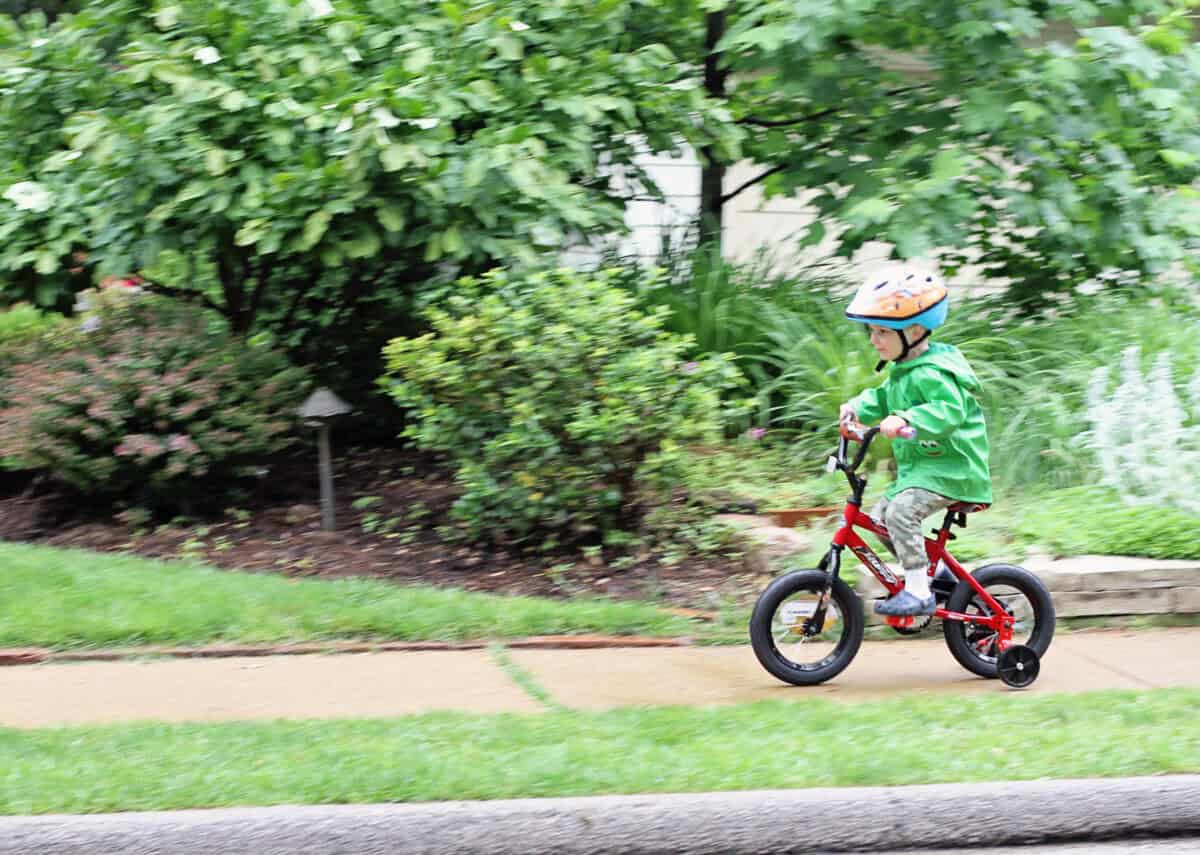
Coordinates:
[1018,666]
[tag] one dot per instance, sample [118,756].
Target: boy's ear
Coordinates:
[912,332]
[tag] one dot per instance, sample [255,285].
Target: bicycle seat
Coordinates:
[967,507]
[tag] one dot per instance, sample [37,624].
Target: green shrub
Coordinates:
[1094,520]
[156,402]
[786,329]
[561,404]
[27,336]
[20,322]
[1036,371]
[762,473]
[50,8]
[26,332]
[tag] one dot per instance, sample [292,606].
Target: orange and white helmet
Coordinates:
[900,294]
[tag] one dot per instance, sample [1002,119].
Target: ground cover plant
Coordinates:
[71,598]
[786,328]
[67,599]
[766,745]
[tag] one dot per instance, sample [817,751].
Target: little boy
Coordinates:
[930,388]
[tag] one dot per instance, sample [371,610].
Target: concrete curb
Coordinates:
[875,819]
[35,655]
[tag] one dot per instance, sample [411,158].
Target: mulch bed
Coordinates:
[278,530]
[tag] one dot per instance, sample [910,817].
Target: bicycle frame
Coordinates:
[999,620]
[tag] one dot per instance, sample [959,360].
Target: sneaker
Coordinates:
[905,604]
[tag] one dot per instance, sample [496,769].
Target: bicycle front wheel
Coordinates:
[777,628]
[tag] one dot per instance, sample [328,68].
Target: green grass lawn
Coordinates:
[443,756]
[64,599]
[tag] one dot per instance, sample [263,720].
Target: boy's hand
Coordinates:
[891,426]
[846,414]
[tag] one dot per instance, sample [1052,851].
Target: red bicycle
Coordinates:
[807,626]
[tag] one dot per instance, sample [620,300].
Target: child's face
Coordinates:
[886,342]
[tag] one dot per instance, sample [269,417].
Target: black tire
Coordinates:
[832,650]
[1008,583]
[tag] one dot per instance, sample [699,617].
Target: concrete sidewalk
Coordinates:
[480,681]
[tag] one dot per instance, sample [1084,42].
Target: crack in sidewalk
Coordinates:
[1114,669]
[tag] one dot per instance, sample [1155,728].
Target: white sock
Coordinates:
[916,582]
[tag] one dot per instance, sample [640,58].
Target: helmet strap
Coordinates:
[908,346]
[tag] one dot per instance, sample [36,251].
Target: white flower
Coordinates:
[352,53]
[517,26]
[30,196]
[384,117]
[360,107]
[320,8]
[167,17]
[39,42]
[428,123]
[1145,447]
[344,125]
[207,55]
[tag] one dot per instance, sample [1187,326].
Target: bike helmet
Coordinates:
[897,296]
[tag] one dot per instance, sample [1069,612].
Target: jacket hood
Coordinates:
[945,357]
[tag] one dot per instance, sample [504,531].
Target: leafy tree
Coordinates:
[51,9]
[990,127]
[303,157]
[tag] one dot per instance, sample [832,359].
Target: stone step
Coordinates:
[1106,585]
[1113,573]
[1082,586]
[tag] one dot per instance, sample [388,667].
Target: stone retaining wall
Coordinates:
[1082,586]
[1101,585]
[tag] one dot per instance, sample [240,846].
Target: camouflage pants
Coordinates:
[902,516]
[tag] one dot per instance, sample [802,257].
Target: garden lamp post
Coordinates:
[321,408]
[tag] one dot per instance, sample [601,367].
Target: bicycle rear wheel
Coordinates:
[1021,594]
[777,628]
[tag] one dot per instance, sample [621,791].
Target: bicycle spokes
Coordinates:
[985,638]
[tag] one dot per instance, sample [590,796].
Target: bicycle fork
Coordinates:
[831,563]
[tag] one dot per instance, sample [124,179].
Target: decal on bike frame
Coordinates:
[872,561]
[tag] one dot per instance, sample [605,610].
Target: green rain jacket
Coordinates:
[934,393]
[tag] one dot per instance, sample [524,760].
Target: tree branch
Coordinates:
[777,168]
[181,293]
[784,123]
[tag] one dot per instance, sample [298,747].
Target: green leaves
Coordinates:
[987,136]
[1177,158]
[561,404]
[239,131]
[948,164]
[870,211]
[314,228]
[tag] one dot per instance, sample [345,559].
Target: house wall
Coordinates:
[752,225]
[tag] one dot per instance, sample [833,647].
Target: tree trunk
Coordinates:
[712,168]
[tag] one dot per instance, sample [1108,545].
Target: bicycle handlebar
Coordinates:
[863,435]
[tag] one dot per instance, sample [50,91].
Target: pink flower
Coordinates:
[182,443]
[756,433]
[690,367]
